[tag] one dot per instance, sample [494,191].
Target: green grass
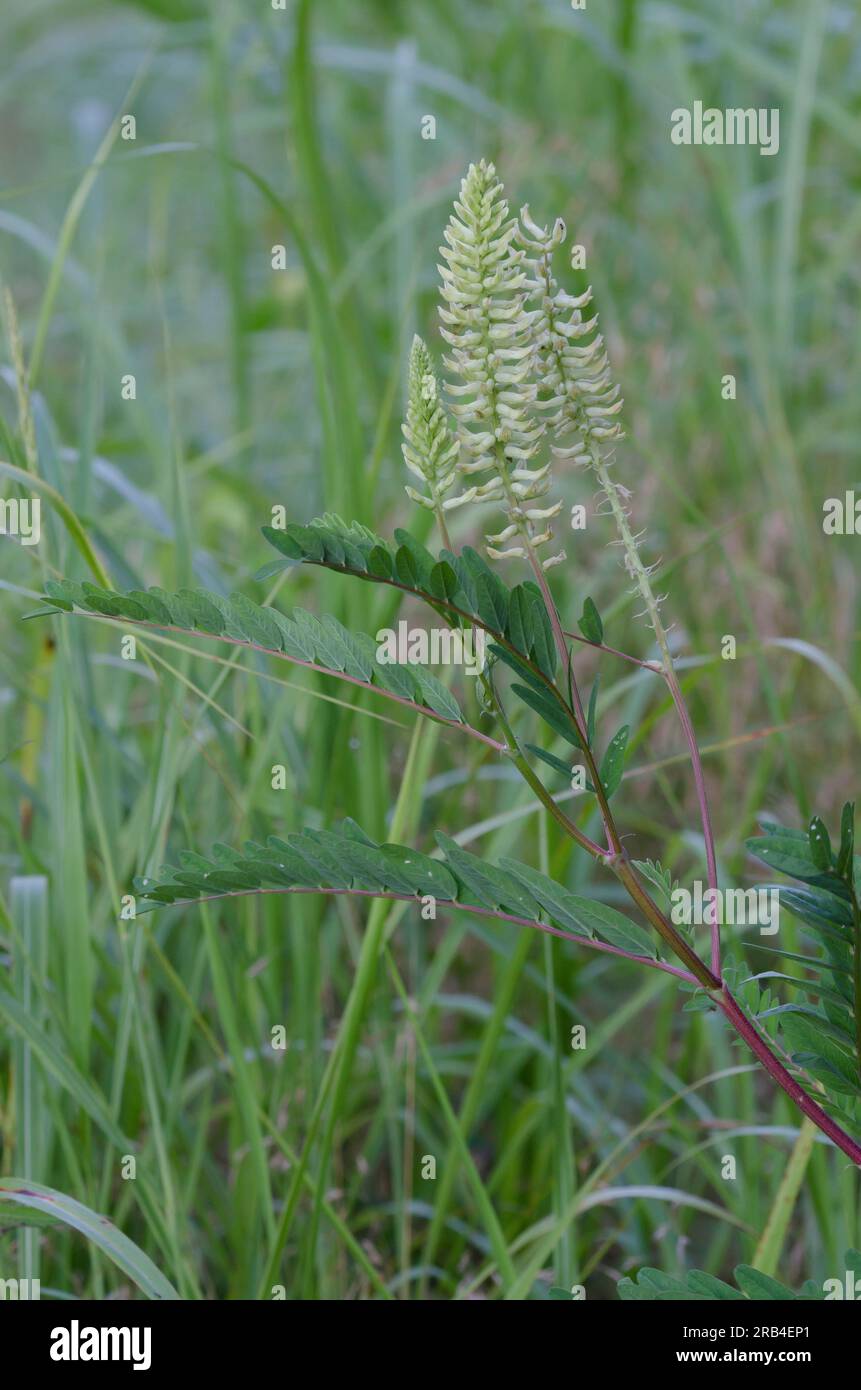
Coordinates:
[302,1167]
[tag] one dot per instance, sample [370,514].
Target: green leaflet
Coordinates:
[551,760]
[493,887]
[558,904]
[256,622]
[529,627]
[590,713]
[582,915]
[519,625]
[464,580]
[387,868]
[330,869]
[61,593]
[808,1038]
[292,867]
[590,623]
[407,569]
[790,854]
[301,636]
[845,854]
[711,1287]
[427,876]
[205,613]
[550,711]
[380,563]
[480,589]
[444,584]
[364,864]
[821,1034]
[415,559]
[818,908]
[761,1286]
[652,1285]
[346,858]
[356,655]
[613,762]
[659,877]
[491,598]
[519,667]
[325,639]
[820,843]
[614,928]
[839,1027]
[400,680]
[435,695]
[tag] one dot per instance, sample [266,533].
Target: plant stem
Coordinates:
[613,841]
[640,574]
[856,965]
[778,1072]
[535,782]
[625,872]
[440,519]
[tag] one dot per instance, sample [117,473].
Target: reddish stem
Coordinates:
[681,708]
[785,1080]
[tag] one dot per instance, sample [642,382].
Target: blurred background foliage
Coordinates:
[301,127]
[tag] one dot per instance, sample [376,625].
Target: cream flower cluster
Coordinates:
[573,369]
[490,332]
[430,449]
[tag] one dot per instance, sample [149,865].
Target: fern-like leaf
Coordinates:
[324,644]
[347,860]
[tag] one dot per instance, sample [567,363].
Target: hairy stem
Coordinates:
[640,574]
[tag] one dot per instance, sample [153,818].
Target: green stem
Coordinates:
[774,1233]
[529,776]
[626,873]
